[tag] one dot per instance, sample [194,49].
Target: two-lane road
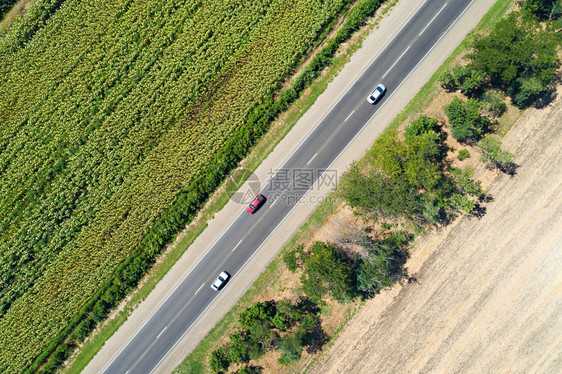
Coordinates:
[157,337]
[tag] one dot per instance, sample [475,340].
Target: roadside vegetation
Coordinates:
[406,184]
[517,59]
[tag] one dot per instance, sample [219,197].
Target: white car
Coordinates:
[376,94]
[220,281]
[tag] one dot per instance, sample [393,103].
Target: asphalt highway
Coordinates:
[308,165]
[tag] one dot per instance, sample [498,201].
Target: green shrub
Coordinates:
[237,348]
[83,329]
[495,156]
[464,182]
[543,9]
[467,122]
[421,126]
[256,313]
[250,370]
[463,154]
[472,83]
[461,203]
[493,102]
[326,271]
[447,80]
[291,350]
[291,258]
[218,361]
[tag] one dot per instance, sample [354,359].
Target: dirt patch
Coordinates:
[487,293]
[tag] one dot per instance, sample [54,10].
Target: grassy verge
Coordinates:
[194,363]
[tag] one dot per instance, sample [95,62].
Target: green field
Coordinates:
[108,111]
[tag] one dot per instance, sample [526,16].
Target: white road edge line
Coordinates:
[199,289]
[316,154]
[285,161]
[433,19]
[233,249]
[349,88]
[395,62]
[328,168]
[212,301]
[345,120]
[169,294]
[288,214]
[161,332]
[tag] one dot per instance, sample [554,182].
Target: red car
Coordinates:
[256,204]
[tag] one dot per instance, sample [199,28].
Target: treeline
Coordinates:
[409,179]
[292,326]
[286,325]
[400,180]
[518,58]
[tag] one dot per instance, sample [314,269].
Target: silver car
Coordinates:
[220,281]
[376,94]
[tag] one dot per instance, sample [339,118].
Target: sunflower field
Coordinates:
[110,112]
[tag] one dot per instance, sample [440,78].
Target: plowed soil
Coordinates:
[485,294]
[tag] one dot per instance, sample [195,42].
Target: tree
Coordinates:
[543,9]
[526,90]
[447,80]
[290,348]
[418,169]
[257,313]
[291,258]
[469,80]
[465,117]
[454,78]
[286,315]
[431,211]
[410,159]
[388,154]
[472,83]
[237,349]
[218,361]
[250,370]
[461,203]
[379,196]
[495,156]
[326,271]
[308,325]
[493,102]
[260,338]
[421,126]
[373,273]
[84,328]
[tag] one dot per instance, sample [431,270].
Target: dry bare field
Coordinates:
[485,294]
